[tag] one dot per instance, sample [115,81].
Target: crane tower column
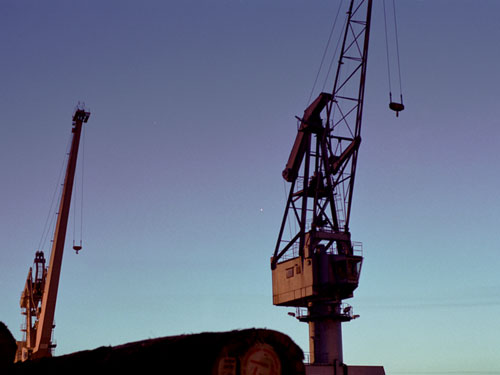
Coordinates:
[325,333]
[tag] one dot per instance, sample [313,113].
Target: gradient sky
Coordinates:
[192,119]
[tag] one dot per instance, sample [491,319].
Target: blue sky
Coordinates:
[193,107]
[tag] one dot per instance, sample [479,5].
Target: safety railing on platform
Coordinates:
[293,251]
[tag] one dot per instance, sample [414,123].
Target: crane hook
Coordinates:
[77,248]
[396,107]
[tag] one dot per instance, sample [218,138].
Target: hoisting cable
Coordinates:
[324,54]
[395,106]
[75,191]
[78,247]
[50,220]
[387,52]
[339,40]
[286,200]
[397,50]
[83,184]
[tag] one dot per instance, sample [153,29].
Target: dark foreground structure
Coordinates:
[245,352]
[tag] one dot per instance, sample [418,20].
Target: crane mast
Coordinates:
[316,265]
[40,294]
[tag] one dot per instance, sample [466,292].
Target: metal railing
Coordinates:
[293,251]
[345,311]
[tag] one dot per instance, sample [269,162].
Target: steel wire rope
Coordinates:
[398,60]
[334,55]
[50,216]
[73,198]
[387,52]
[286,200]
[397,49]
[324,54]
[75,194]
[82,185]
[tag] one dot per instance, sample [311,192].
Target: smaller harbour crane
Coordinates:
[38,299]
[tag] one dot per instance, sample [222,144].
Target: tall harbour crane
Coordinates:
[316,265]
[38,299]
